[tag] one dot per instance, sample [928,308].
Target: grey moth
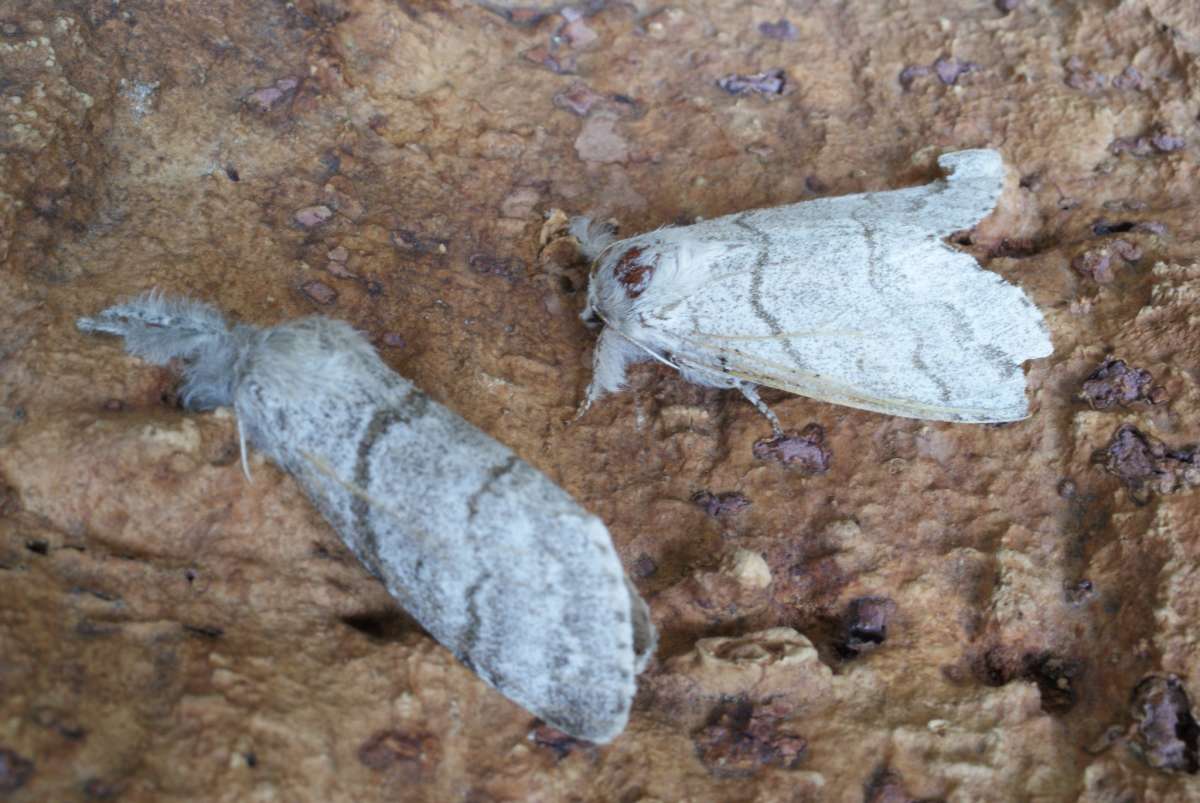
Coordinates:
[497,562]
[855,300]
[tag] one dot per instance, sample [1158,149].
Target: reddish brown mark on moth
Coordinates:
[634,276]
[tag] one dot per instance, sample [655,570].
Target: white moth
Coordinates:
[497,562]
[855,300]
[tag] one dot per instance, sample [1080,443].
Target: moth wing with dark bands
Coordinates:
[497,562]
[855,300]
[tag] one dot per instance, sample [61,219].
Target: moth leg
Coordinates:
[242,446]
[613,354]
[751,393]
[593,235]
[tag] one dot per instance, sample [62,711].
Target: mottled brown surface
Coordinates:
[171,631]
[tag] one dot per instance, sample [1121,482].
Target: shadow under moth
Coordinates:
[497,562]
[855,300]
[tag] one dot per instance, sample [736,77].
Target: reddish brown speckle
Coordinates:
[806,451]
[634,276]
[319,292]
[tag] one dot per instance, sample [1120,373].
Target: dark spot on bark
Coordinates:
[251,760]
[1056,677]
[1155,142]
[37,546]
[386,625]
[950,69]
[864,626]
[1102,227]
[887,786]
[1167,733]
[911,73]
[52,719]
[1007,6]
[1079,592]
[1115,383]
[781,30]
[1081,78]
[578,99]
[99,789]
[10,500]
[409,241]
[557,62]
[1016,248]
[15,771]
[805,450]
[720,504]
[771,82]
[1097,263]
[392,749]
[231,173]
[509,268]
[523,17]
[554,740]
[1146,465]
[319,293]
[645,566]
[204,631]
[1130,78]
[633,275]
[742,738]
